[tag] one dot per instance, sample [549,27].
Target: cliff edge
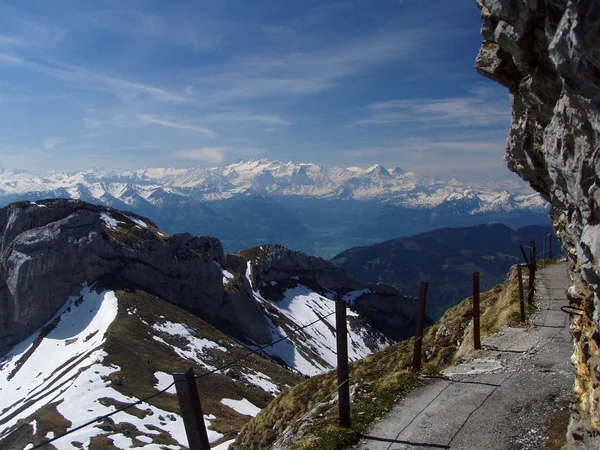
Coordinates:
[546,53]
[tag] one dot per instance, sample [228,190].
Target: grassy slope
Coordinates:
[305,416]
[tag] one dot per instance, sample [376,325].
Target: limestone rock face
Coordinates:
[49,248]
[547,53]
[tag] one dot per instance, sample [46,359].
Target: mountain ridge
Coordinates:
[273,178]
[446,258]
[303,206]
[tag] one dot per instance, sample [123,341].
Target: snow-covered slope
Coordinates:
[68,373]
[313,351]
[77,368]
[137,187]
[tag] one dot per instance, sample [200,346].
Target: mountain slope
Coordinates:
[140,305]
[446,258]
[110,348]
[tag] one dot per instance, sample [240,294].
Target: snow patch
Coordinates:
[194,348]
[138,222]
[351,297]
[243,406]
[110,221]
[164,380]
[262,381]
[224,446]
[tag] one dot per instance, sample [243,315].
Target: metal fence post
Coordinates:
[476,313]
[416,365]
[191,410]
[532,270]
[342,363]
[521,296]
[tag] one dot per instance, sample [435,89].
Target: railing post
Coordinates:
[521,296]
[476,312]
[416,365]
[524,255]
[543,251]
[191,410]
[532,270]
[342,363]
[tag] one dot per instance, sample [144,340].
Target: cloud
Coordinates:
[50,143]
[238,116]
[174,124]
[19,32]
[211,155]
[307,72]
[80,77]
[466,111]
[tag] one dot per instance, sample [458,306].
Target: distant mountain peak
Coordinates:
[270,177]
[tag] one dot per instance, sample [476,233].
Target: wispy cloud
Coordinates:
[308,72]
[210,155]
[19,32]
[50,143]
[240,116]
[176,124]
[447,112]
[80,77]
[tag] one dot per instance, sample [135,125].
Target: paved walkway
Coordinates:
[501,397]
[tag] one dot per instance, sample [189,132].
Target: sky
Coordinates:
[178,83]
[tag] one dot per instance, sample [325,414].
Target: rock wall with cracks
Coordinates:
[547,53]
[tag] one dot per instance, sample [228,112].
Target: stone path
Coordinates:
[500,397]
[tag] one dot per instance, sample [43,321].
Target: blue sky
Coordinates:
[177,83]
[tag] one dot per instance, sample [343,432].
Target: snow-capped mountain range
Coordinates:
[272,178]
[321,211]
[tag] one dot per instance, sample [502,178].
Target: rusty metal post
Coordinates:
[521,295]
[416,365]
[532,270]
[342,363]
[476,313]
[543,250]
[191,410]
[524,255]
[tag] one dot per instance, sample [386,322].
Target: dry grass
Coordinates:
[305,416]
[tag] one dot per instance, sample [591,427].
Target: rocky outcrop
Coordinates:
[547,53]
[50,248]
[275,268]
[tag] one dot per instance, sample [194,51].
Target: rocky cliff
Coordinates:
[547,53]
[275,269]
[50,248]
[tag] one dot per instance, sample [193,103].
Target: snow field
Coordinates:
[33,380]
[66,369]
